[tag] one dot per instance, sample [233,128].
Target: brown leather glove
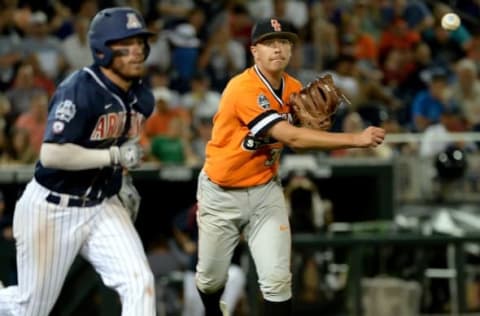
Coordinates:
[314,105]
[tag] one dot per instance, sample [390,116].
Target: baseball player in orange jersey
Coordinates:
[238,188]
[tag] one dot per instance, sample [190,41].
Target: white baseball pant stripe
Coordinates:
[261,213]
[48,238]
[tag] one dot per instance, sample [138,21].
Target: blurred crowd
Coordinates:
[391,58]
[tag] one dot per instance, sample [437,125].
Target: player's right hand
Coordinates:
[128,155]
[372,136]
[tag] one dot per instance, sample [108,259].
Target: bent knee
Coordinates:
[277,286]
[210,283]
[143,283]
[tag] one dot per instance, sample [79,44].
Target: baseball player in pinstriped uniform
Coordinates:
[71,205]
[238,189]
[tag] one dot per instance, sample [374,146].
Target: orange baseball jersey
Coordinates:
[240,154]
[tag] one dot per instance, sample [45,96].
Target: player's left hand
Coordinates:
[128,155]
[129,196]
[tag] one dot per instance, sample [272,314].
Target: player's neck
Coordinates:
[274,78]
[118,80]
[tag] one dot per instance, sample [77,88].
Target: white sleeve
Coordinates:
[73,157]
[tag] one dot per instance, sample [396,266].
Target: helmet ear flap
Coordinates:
[147,48]
[102,55]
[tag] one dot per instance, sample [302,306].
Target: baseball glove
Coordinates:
[314,105]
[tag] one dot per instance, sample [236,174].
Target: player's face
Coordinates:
[272,55]
[129,57]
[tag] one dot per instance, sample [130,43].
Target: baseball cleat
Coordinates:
[224,309]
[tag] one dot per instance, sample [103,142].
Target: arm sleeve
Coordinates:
[73,157]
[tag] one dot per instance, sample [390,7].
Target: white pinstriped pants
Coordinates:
[49,237]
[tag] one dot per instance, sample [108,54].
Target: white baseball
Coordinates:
[451,21]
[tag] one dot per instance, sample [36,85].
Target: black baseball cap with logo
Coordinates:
[272,28]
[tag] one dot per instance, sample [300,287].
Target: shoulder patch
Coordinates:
[263,102]
[65,111]
[57,127]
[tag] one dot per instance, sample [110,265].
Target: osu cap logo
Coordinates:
[277,27]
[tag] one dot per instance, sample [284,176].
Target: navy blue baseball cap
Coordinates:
[272,28]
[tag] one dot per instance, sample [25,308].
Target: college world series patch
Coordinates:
[263,102]
[65,111]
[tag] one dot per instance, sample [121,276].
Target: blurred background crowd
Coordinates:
[393,60]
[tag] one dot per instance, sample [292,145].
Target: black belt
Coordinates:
[73,202]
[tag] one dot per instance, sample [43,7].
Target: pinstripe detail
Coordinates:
[50,236]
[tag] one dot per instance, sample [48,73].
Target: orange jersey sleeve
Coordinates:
[239,153]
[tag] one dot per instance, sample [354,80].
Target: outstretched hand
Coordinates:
[371,137]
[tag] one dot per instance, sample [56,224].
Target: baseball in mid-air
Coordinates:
[451,21]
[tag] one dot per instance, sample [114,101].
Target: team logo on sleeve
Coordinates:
[65,111]
[263,102]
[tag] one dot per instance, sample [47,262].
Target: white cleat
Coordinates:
[224,308]
[1,285]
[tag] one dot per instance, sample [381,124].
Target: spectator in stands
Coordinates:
[345,74]
[160,78]
[357,43]
[174,10]
[435,138]
[185,49]
[415,82]
[20,150]
[325,36]
[85,8]
[429,104]
[466,92]
[298,66]
[10,41]
[397,36]
[473,51]
[23,89]
[75,47]
[159,46]
[369,15]
[61,23]
[222,57]
[293,11]
[45,47]
[416,13]
[202,132]
[35,120]
[166,132]
[241,24]
[201,97]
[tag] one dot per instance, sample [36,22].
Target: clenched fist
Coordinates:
[128,155]
[371,137]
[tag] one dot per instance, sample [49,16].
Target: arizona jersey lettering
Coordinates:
[89,110]
[240,154]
